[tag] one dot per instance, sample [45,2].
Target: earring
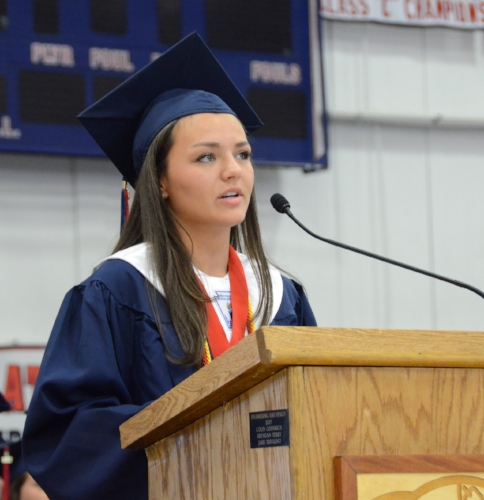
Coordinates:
[163,196]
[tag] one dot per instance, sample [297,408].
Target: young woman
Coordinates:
[177,292]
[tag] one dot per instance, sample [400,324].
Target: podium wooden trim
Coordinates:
[271,349]
[349,391]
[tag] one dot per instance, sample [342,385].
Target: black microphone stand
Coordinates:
[282,206]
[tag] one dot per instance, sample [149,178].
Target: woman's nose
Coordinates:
[231,168]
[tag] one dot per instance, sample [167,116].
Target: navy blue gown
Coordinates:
[103,363]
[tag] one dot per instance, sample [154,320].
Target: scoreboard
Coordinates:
[59,56]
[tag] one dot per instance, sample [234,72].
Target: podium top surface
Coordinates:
[271,349]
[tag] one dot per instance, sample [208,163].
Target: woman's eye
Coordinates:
[245,155]
[205,158]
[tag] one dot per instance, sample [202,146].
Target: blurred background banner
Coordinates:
[19,367]
[57,58]
[452,13]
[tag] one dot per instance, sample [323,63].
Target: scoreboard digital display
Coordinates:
[58,56]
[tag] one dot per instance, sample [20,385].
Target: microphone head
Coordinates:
[280,203]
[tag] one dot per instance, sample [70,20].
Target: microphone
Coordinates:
[281,204]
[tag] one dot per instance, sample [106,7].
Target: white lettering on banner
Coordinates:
[6,130]
[154,55]
[52,54]
[110,59]
[358,9]
[454,13]
[275,72]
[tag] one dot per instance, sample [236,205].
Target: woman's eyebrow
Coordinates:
[217,145]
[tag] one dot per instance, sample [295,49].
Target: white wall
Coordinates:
[58,217]
[409,194]
[405,180]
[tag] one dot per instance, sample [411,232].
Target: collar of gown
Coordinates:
[137,256]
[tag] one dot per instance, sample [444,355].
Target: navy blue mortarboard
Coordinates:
[185,80]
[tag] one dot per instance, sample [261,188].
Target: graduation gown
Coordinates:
[104,362]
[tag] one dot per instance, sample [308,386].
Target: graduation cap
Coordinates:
[185,80]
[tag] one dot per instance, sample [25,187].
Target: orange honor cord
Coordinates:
[6,460]
[241,312]
[124,203]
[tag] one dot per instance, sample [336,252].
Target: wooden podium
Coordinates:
[345,392]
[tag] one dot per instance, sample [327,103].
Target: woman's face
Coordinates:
[209,176]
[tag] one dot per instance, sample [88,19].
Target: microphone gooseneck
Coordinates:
[281,204]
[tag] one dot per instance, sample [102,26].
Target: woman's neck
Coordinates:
[210,252]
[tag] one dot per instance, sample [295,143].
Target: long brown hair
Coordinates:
[151,221]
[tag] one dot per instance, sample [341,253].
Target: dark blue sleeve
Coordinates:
[71,441]
[303,309]
[294,309]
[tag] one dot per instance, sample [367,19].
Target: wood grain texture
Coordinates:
[212,459]
[345,484]
[370,347]
[239,369]
[411,463]
[271,349]
[387,411]
[346,468]
[298,407]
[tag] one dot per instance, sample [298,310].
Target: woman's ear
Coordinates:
[164,194]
